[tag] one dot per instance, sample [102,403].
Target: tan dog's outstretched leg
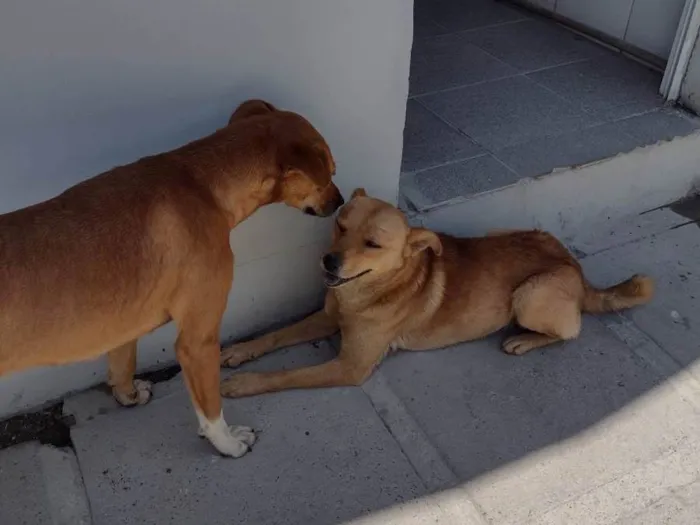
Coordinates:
[358,356]
[122,366]
[316,326]
[549,304]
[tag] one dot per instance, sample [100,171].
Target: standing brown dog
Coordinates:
[392,286]
[95,268]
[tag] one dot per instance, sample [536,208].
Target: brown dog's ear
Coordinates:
[250,108]
[306,159]
[420,239]
[359,192]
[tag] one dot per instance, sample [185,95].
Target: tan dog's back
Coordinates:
[480,275]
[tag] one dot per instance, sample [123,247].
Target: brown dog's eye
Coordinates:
[371,244]
[341,229]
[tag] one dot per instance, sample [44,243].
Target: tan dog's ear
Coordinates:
[250,108]
[359,192]
[420,239]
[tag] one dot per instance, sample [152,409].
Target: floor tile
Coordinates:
[506,112]
[602,84]
[542,155]
[534,44]
[450,61]
[424,27]
[460,15]
[663,124]
[460,179]
[428,141]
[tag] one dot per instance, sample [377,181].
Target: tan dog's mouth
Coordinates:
[333,281]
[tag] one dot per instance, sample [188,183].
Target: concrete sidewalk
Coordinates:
[601,430]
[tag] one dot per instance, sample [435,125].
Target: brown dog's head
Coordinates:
[303,159]
[372,238]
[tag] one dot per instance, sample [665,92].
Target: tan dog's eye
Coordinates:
[371,244]
[341,228]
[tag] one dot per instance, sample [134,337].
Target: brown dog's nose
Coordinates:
[333,204]
[331,262]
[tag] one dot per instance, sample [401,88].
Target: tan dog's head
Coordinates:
[303,157]
[372,238]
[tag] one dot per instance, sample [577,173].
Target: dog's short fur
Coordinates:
[93,269]
[392,286]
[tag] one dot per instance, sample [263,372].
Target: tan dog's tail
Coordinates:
[635,291]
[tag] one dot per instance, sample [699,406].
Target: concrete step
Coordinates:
[577,201]
[41,485]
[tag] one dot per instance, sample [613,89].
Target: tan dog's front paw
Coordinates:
[139,395]
[523,343]
[234,356]
[240,385]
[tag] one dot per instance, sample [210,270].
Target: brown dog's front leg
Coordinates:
[316,326]
[199,358]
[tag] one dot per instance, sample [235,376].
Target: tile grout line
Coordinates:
[431,468]
[446,163]
[420,452]
[470,30]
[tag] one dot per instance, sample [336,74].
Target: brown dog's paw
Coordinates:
[240,385]
[140,395]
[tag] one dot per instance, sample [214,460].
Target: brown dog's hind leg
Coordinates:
[548,304]
[126,390]
[316,326]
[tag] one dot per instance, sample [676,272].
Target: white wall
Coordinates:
[647,24]
[87,85]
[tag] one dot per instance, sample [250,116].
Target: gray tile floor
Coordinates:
[498,93]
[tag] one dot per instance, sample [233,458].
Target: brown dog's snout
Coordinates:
[331,262]
[334,202]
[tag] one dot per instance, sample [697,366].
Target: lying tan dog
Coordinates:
[93,269]
[392,286]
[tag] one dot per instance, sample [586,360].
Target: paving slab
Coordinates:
[586,412]
[41,485]
[672,319]
[323,457]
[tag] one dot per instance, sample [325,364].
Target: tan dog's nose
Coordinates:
[331,262]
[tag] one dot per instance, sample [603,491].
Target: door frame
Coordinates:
[681,51]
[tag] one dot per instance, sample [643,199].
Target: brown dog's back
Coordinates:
[71,262]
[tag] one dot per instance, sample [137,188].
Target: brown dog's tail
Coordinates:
[636,290]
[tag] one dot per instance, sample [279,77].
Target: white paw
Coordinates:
[245,434]
[230,441]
